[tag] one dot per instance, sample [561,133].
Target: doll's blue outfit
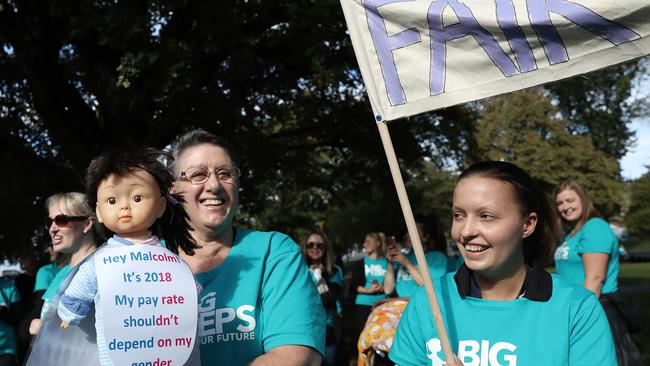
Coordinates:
[76,302]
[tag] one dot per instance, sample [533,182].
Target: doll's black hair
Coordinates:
[173,226]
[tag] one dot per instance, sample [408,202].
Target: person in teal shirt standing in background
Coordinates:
[46,273]
[9,316]
[368,274]
[406,274]
[590,252]
[44,276]
[501,307]
[589,257]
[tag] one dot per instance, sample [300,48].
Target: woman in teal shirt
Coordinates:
[9,315]
[589,257]
[501,307]
[590,251]
[368,276]
[259,304]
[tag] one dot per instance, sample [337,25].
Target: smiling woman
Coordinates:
[258,278]
[589,257]
[71,225]
[504,228]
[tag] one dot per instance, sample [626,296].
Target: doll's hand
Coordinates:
[65,325]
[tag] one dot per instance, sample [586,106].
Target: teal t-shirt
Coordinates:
[45,275]
[8,296]
[53,288]
[259,298]
[594,237]
[375,270]
[438,265]
[569,329]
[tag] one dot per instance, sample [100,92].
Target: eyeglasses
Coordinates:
[62,220]
[201,175]
[315,245]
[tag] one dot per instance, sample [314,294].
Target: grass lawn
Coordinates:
[639,273]
[634,273]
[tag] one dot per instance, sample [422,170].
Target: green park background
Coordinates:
[281,81]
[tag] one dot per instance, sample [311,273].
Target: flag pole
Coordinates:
[417,245]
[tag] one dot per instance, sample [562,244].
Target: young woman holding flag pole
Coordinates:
[505,230]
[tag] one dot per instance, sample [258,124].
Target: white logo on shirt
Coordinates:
[473,353]
[212,321]
[403,274]
[374,270]
[433,352]
[562,252]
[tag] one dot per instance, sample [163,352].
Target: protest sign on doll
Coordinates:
[153,318]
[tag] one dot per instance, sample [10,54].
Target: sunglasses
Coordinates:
[315,245]
[62,220]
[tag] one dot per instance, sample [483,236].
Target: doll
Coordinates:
[129,189]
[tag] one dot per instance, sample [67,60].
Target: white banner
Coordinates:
[150,305]
[421,55]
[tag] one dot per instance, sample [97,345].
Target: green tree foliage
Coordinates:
[278,78]
[599,106]
[376,207]
[638,214]
[431,191]
[526,129]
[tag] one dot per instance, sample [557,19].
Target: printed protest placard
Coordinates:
[150,305]
[420,55]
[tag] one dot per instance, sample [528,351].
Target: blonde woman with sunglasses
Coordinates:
[70,224]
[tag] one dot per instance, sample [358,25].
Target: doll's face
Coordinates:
[128,205]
